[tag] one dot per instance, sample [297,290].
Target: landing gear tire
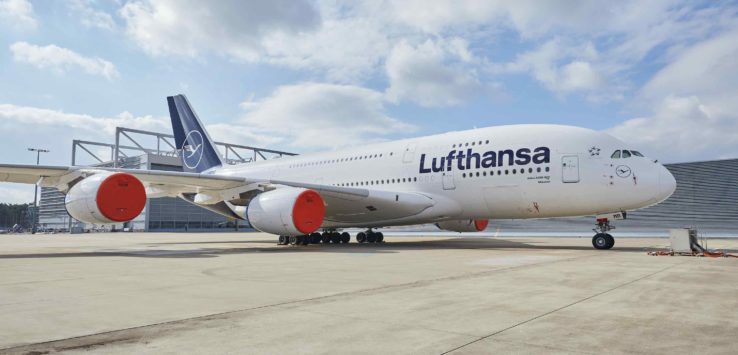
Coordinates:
[293,240]
[603,241]
[361,237]
[306,239]
[610,241]
[380,237]
[345,237]
[371,237]
[315,238]
[335,238]
[325,238]
[283,240]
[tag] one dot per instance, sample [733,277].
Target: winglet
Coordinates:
[194,145]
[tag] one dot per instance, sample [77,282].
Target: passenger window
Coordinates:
[626,154]
[638,154]
[615,155]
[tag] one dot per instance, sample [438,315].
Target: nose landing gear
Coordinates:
[603,240]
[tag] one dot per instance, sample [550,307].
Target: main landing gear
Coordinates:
[370,237]
[330,237]
[603,240]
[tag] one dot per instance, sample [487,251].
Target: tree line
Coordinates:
[12,214]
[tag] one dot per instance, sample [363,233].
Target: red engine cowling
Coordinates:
[287,211]
[106,198]
[464,225]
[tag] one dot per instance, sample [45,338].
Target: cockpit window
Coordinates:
[638,154]
[615,155]
[626,154]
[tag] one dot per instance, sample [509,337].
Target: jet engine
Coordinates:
[287,211]
[464,225]
[106,198]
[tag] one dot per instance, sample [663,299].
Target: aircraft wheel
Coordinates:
[325,238]
[314,238]
[283,240]
[371,237]
[601,241]
[306,239]
[335,238]
[345,237]
[361,237]
[610,241]
[380,237]
[294,240]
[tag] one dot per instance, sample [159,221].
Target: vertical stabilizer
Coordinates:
[195,148]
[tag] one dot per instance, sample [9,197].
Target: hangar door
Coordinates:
[570,168]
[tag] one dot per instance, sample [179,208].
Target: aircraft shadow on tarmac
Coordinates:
[386,247]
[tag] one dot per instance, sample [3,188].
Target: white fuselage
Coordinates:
[556,171]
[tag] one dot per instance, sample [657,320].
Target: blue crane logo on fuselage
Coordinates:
[192,149]
[623,171]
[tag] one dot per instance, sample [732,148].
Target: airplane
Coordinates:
[456,180]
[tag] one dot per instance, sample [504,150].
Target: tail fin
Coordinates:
[196,149]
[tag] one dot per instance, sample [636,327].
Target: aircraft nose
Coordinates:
[667,183]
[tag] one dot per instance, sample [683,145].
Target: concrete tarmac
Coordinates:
[159,293]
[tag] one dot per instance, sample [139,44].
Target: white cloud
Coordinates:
[17,14]
[682,128]
[695,113]
[242,135]
[26,126]
[15,117]
[434,73]
[560,67]
[89,16]
[580,75]
[345,50]
[316,115]
[232,27]
[528,17]
[61,59]
[16,193]
[707,69]
[353,42]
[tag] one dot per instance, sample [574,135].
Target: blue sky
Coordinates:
[306,75]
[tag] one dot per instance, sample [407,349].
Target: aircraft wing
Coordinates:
[31,174]
[343,204]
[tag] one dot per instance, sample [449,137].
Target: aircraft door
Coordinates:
[409,154]
[570,168]
[448,181]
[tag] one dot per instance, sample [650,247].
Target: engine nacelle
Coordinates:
[464,225]
[287,211]
[106,198]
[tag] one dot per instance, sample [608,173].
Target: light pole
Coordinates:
[38,159]
[34,209]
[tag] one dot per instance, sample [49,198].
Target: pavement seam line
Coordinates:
[562,308]
[313,299]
